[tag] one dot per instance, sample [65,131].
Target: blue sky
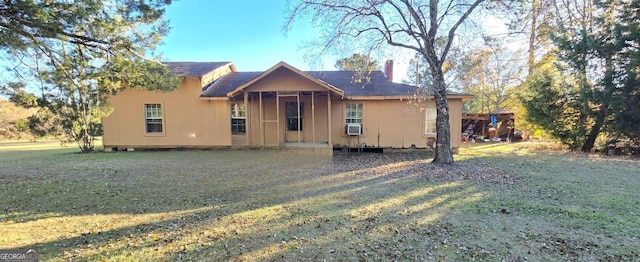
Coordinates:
[248,33]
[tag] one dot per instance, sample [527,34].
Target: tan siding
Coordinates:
[455,118]
[188,121]
[398,124]
[238,140]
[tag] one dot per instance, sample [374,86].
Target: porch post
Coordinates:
[247,119]
[298,107]
[261,119]
[313,117]
[278,117]
[329,118]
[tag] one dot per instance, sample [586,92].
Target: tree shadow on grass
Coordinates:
[256,206]
[151,182]
[348,222]
[321,206]
[379,219]
[259,206]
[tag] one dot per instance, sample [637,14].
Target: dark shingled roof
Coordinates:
[194,68]
[228,82]
[378,86]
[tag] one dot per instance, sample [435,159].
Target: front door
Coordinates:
[294,126]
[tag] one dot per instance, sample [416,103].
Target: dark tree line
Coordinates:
[588,87]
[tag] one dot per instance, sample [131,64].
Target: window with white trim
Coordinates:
[430,121]
[153,118]
[238,119]
[353,114]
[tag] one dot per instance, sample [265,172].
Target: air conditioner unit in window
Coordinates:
[354,129]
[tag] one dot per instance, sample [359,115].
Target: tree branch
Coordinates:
[453,29]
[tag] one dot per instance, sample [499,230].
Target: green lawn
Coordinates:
[501,201]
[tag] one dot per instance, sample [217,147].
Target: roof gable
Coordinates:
[292,69]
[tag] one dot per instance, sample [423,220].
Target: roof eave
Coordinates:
[464,97]
[216,98]
[365,97]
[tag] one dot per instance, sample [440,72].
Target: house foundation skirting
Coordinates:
[307,146]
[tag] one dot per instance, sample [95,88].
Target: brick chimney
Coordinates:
[388,70]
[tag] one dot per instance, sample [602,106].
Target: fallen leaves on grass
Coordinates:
[482,172]
[261,205]
[416,164]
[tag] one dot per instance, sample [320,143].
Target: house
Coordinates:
[217,106]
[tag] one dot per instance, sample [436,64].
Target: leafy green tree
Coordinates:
[551,103]
[625,105]
[409,25]
[418,73]
[80,52]
[598,62]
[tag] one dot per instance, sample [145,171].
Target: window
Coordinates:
[238,119]
[153,118]
[353,115]
[430,120]
[291,109]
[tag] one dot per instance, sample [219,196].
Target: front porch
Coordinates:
[286,119]
[282,107]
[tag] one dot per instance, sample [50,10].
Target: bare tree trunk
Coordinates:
[532,36]
[444,154]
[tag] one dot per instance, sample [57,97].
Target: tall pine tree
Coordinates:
[79,53]
[597,45]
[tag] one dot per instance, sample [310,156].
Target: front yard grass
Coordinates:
[510,202]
